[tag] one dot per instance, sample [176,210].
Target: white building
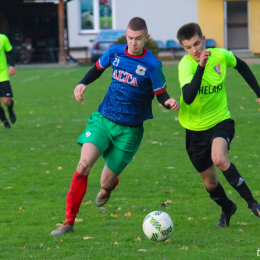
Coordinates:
[87,17]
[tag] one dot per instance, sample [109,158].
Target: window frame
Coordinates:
[96,15]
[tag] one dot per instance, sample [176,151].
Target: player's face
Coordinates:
[136,41]
[194,46]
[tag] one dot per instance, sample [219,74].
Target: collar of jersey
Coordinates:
[135,56]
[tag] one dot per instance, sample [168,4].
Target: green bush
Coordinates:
[151,45]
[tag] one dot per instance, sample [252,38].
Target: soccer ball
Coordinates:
[158,226]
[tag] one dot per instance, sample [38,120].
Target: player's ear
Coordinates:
[147,37]
[204,39]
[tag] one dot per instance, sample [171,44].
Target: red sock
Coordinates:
[114,185]
[75,195]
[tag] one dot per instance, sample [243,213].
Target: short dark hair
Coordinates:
[137,24]
[187,31]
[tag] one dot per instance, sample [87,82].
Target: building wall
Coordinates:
[163,18]
[211,20]
[78,42]
[254,9]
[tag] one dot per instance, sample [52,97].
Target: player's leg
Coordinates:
[7,100]
[198,145]
[217,194]
[3,117]
[2,112]
[94,142]
[89,155]
[220,146]
[109,181]
[126,141]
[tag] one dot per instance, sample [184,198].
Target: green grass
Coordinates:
[33,186]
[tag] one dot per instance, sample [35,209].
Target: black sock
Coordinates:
[2,115]
[237,182]
[220,197]
[10,108]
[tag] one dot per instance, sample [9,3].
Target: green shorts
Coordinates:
[118,144]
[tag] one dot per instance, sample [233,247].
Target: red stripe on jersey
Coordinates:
[158,92]
[135,56]
[98,66]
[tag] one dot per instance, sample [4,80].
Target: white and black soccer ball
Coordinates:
[158,226]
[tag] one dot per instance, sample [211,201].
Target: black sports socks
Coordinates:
[237,182]
[220,197]
[10,108]
[2,115]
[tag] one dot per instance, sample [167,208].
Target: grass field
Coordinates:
[39,155]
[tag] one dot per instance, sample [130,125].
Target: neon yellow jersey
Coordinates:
[210,105]
[5,46]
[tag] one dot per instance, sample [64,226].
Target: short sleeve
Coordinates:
[158,80]
[7,45]
[186,73]
[104,60]
[230,58]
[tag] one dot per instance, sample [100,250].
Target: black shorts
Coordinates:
[198,143]
[5,89]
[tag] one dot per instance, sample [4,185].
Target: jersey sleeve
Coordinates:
[230,58]
[158,80]
[7,46]
[104,60]
[186,72]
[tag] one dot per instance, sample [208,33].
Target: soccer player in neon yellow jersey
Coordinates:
[205,116]
[5,88]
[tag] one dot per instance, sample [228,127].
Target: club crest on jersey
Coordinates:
[140,70]
[217,69]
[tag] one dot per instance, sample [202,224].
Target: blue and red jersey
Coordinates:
[135,80]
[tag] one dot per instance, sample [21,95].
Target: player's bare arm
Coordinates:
[79,91]
[204,58]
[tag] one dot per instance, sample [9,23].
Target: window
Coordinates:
[95,15]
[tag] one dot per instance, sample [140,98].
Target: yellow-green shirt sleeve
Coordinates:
[186,71]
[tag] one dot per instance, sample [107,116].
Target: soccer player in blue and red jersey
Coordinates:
[116,130]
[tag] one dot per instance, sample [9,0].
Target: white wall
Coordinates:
[77,39]
[163,18]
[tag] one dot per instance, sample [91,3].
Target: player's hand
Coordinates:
[204,58]
[172,104]
[11,71]
[78,92]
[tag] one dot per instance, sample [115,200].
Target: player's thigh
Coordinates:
[124,148]
[219,149]
[225,129]
[89,155]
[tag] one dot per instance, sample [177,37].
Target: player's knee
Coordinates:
[211,185]
[220,162]
[84,167]
[7,102]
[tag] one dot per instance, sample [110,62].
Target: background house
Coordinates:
[232,24]
[34,23]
